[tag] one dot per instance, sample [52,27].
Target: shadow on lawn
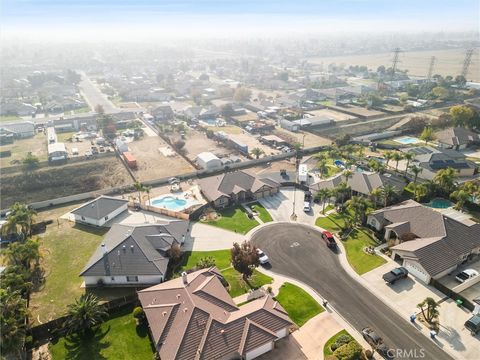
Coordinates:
[95,230]
[88,346]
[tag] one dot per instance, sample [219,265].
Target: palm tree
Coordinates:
[140,188]
[409,156]
[415,171]
[320,156]
[376,194]
[397,156]
[322,167]
[388,156]
[322,195]
[461,196]
[257,152]
[387,192]
[14,312]
[431,311]
[348,175]
[427,134]
[84,314]
[147,190]
[445,179]
[341,190]
[421,190]
[360,207]
[20,218]
[23,253]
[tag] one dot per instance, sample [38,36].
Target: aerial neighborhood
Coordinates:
[241,199]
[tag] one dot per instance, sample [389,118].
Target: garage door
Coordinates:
[415,271]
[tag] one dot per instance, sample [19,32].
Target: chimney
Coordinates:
[104,249]
[184,277]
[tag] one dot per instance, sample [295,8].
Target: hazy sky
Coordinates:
[138,18]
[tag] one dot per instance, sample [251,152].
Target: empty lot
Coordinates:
[197,142]
[335,115]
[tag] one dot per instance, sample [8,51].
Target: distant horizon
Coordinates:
[148,19]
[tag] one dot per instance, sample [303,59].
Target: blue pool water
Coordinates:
[439,203]
[170,203]
[407,140]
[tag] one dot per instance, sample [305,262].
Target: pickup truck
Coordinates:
[395,274]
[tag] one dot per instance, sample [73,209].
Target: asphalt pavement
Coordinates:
[299,252]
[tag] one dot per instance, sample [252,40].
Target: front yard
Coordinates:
[118,338]
[263,214]
[299,305]
[234,219]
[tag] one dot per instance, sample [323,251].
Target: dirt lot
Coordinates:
[311,140]
[54,182]
[152,164]
[361,111]
[20,148]
[288,165]
[82,146]
[197,142]
[337,116]
[252,142]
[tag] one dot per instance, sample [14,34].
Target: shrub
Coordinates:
[330,357]
[343,339]
[334,346]
[369,354]
[350,351]
[138,313]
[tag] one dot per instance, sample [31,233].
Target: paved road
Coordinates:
[297,251]
[95,97]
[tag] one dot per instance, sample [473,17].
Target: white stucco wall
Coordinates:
[122,280]
[259,351]
[101,221]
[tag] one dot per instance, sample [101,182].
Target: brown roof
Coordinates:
[199,320]
[457,136]
[215,187]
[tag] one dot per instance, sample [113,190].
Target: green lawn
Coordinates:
[190,258]
[82,110]
[62,137]
[333,222]
[332,340]
[234,219]
[360,261]
[299,305]
[263,214]
[65,251]
[7,118]
[119,338]
[239,287]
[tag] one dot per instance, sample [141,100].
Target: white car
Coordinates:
[262,257]
[466,274]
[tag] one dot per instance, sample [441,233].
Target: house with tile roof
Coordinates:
[134,255]
[235,187]
[194,318]
[439,243]
[100,210]
[456,138]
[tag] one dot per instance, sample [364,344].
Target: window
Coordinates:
[132,278]
[106,217]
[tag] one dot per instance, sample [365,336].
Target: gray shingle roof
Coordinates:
[99,207]
[457,136]
[135,249]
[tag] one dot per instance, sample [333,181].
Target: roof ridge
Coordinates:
[204,337]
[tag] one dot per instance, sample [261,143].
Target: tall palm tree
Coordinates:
[140,188]
[376,195]
[359,207]
[388,156]
[322,167]
[323,195]
[387,192]
[409,156]
[397,156]
[445,179]
[84,313]
[21,218]
[23,253]
[257,152]
[415,171]
[348,175]
[14,313]
[341,190]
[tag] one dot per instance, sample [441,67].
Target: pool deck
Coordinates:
[456,215]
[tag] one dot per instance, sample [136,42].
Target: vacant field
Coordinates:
[197,142]
[337,116]
[152,164]
[310,140]
[37,145]
[54,182]
[449,62]
[358,110]
[229,129]
[252,142]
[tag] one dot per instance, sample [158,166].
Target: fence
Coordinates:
[171,213]
[453,295]
[55,328]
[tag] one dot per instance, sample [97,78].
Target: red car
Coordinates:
[329,239]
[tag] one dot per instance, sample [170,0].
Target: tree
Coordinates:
[84,314]
[174,253]
[461,197]
[21,219]
[13,312]
[429,308]
[17,278]
[257,152]
[445,179]
[441,93]
[359,207]
[387,192]
[388,156]
[322,167]
[418,123]
[323,195]
[107,124]
[462,116]
[205,262]
[99,109]
[427,134]
[409,156]
[242,94]
[140,188]
[350,351]
[397,156]
[415,171]
[30,162]
[376,194]
[23,254]
[460,80]
[179,144]
[244,258]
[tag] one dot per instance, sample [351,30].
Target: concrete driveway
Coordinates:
[280,206]
[207,238]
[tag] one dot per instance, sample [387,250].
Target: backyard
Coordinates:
[118,338]
[234,219]
[355,243]
[299,305]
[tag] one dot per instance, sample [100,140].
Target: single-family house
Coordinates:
[100,210]
[235,187]
[194,317]
[439,244]
[163,113]
[206,160]
[17,108]
[134,255]
[456,138]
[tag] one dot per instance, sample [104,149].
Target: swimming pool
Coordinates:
[439,203]
[407,140]
[170,203]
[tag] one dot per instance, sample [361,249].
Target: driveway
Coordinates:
[280,206]
[207,238]
[299,252]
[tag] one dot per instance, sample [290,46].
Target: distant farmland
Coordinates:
[448,62]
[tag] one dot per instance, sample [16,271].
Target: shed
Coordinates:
[207,160]
[289,125]
[100,210]
[57,152]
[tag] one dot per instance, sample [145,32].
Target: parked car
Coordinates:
[94,150]
[306,206]
[329,239]
[262,257]
[473,324]
[307,196]
[466,274]
[376,342]
[101,149]
[395,274]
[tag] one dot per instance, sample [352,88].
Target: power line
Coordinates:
[430,67]
[466,62]
[396,54]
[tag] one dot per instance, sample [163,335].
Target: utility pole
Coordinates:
[466,62]
[430,68]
